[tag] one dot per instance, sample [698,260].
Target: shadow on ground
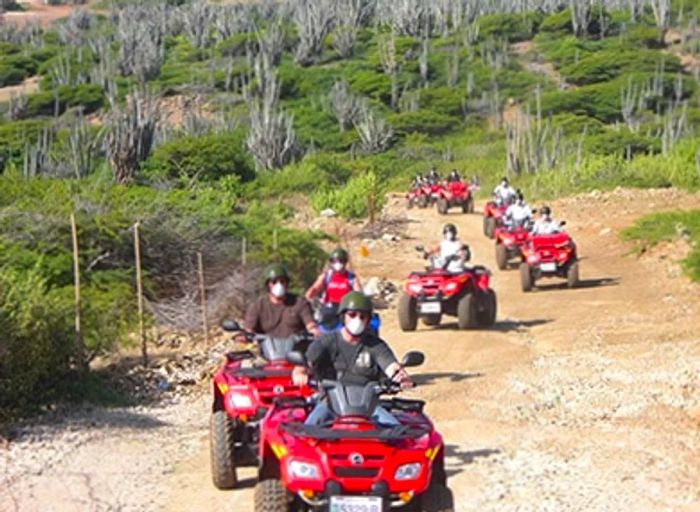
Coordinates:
[426,379]
[598,282]
[518,325]
[465,457]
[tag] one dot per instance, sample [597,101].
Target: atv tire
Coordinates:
[487,315]
[221,449]
[501,256]
[489,226]
[438,498]
[423,202]
[525,277]
[432,320]
[409,203]
[408,314]
[442,206]
[468,206]
[467,312]
[572,275]
[271,496]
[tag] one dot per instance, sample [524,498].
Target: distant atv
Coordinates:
[455,194]
[466,295]
[549,256]
[509,243]
[242,396]
[493,217]
[417,196]
[433,192]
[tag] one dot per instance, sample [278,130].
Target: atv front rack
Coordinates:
[403,405]
[325,433]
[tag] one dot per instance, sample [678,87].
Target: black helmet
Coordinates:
[449,228]
[546,210]
[355,301]
[504,179]
[276,271]
[339,254]
[521,196]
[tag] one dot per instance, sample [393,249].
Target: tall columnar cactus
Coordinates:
[130,133]
[314,19]
[344,104]
[140,33]
[350,16]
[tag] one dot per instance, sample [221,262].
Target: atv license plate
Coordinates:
[430,308]
[356,504]
[548,267]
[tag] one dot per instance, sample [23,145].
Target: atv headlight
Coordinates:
[304,470]
[239,401]
[408,471]
[415,287]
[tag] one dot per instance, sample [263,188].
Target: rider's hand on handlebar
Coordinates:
[300,377]
[403,379]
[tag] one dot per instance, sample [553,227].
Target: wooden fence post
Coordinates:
[79,345]
[139,292]
[203,297]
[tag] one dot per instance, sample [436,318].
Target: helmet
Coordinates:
[339,254]
[449,228]
[453,172]
[504,180]
[276,271]
[521,196]
[355,301]
[546,210]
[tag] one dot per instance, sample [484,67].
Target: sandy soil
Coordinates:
[585,399]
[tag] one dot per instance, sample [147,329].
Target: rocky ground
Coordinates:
[584,399]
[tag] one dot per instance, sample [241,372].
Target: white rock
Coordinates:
[328,212]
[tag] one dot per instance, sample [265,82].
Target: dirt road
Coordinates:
[577,399]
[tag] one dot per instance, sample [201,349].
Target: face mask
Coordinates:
[338,266]
[449,237]
[278,290]
[355,326]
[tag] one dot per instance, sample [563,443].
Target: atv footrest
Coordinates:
[403,405]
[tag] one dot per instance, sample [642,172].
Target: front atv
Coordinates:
[436,292]
[242,395]
[549,256]
[351,463]
[455,194]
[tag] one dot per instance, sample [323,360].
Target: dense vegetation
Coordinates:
[198,120]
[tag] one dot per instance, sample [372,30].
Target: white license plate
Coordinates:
[356,504]
[430,308]
[548,267]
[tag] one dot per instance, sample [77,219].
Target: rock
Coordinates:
[605,231]
[328,212]
[389,237]
[371,287]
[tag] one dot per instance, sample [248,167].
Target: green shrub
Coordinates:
[622,142]
[603,66]
[448,101]
[237,45]
[355,199]
[640,35]
[513,27]
[314,172]
[573,124]
[423,121]
[43,103]
[559,22]
[204,158]
[315,126]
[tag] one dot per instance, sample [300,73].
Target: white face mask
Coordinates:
[449,237]
[279,290]
[355,326]
[338,266]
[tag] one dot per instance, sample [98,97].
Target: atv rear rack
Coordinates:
[325,433]
[403,405]
[258,373]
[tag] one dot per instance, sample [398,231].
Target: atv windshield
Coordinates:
[275,349]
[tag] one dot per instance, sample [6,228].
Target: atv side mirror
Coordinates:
[420,248]
[562,223]
[413,358]
[230,326]
[296,358]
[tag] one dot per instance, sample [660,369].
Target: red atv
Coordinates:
[455,193]
[549,256]
[493,217]
[417,196]
[433,192]
[242,396]
[466,295]
[351,463]
[509,243]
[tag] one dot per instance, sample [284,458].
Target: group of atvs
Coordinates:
[349,464]
[444,194]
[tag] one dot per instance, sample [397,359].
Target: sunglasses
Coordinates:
[337,260]
[278,280]
[357,314]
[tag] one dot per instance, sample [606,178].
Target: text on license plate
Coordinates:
[548,267]
[430,307]
[356,504]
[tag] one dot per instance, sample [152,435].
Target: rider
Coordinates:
[545,225]
[418,181]
[450,245]
[352,355]
[518,213]
[433,176]
[454,176]
[279,314]
[503,192]
[335,282]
